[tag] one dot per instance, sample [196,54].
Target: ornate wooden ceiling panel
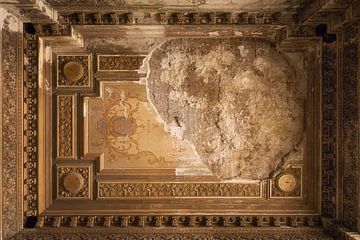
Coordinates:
[96,153]
[104,153]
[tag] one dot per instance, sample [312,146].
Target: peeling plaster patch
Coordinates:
[237,101]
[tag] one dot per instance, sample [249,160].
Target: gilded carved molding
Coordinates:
[66,20]
[145,190]
[66,126]
[30,125]
[189,234]
[171,17]
[140,222]
[11,126]
[120,62]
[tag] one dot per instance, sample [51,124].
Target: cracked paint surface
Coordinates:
[237,100]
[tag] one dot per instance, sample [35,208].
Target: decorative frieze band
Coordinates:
[171,18]
[166,190]
[30,126]
[178,221]
[120,62]
[157,18]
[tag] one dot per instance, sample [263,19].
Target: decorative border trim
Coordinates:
[31,124]
[303,233]
[118,61]
[179,221]
[119,190]
[171,17]
[329,130]
[66,127]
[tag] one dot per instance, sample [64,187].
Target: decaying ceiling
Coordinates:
[199,119]
[238,101]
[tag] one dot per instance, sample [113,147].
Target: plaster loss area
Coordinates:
[236,100]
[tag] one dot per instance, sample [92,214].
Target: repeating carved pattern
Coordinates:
[52,29]
[31,111]
[182,221]
[121,190]
[120,63]
[350,119]
[11,132]
[294,188]
[73,182]
[87,2]
[78,74]
[232,234]
[329,125]
[163,18]
[65,126]
[296,30]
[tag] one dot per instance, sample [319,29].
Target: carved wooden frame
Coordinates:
[331,194]
[30,160]
[48,210]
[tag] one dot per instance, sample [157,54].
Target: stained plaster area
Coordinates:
[238,101]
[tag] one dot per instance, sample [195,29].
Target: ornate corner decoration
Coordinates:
[66,126]
[74,71]
[113,190]
[287,184]
[119,62]
[73,182]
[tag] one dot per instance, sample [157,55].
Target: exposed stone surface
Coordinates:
[236,100]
